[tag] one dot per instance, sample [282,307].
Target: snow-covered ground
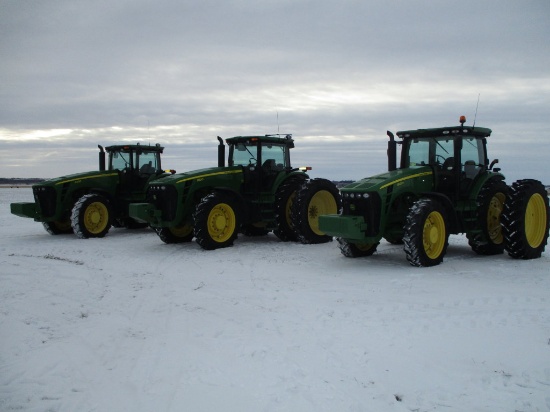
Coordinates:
[127,323]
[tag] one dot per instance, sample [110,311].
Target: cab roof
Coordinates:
[133,147]
[268,138]
[443,131]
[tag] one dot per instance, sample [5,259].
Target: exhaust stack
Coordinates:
[101,158]
[392,152]
[221,153]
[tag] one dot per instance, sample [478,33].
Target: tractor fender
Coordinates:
[449,208]
[234,194]
[287,176]
[229,191]
[482,180]
[97,191]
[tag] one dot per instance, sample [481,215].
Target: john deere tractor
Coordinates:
[444,185]
[257,192]
[89,203]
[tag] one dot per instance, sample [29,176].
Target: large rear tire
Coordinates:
[284,198]
[525,219]
[91,216]
[315,198]
[490,204]
[217,221]
[426,235]
[178,234]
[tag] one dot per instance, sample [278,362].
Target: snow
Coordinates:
[127,323]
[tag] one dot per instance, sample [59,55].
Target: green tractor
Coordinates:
[257,192]
[444,185]
[89,203]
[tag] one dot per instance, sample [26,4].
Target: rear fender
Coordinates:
[481,181]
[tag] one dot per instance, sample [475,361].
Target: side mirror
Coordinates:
[494,162]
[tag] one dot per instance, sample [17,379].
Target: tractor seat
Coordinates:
[269,165]
[448,164]
[147,168]
[470,169]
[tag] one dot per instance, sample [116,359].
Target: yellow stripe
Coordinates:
[208,175]
[405,178]
[87,177]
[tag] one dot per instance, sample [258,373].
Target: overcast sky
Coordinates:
[335,74]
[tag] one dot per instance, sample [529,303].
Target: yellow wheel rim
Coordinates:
[322,203]
[96,217]
[496,205]
[289,207]
[434,235]
[181,231]
[535,220]
[221,222]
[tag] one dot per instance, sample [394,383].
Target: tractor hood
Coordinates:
[395,177]
[78,177]
[199,175]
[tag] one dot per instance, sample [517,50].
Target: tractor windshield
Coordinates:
[143,161]
[273,157]
[243,156]
[119,160]
[429,151]
[147,162]
[439,151]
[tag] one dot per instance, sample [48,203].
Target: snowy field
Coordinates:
[127,323]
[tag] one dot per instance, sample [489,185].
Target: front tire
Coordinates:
[217,221]
[353,250]
[58,227]
[91,216]
[525,220]
[426,235]
[315,198]
[180,234]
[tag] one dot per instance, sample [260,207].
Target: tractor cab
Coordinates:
[456,155]
[136,164]
[263,158]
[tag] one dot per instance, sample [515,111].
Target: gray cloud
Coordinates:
[337,74]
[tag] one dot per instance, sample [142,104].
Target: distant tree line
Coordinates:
[342,183]
[14,181]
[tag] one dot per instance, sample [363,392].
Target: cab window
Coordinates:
[244,155]
[273,157]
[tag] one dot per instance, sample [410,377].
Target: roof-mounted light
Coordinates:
[462,120]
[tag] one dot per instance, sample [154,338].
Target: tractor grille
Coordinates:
[45,197]
[165,199]
[363,204]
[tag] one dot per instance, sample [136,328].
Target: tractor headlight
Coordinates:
[351,195]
